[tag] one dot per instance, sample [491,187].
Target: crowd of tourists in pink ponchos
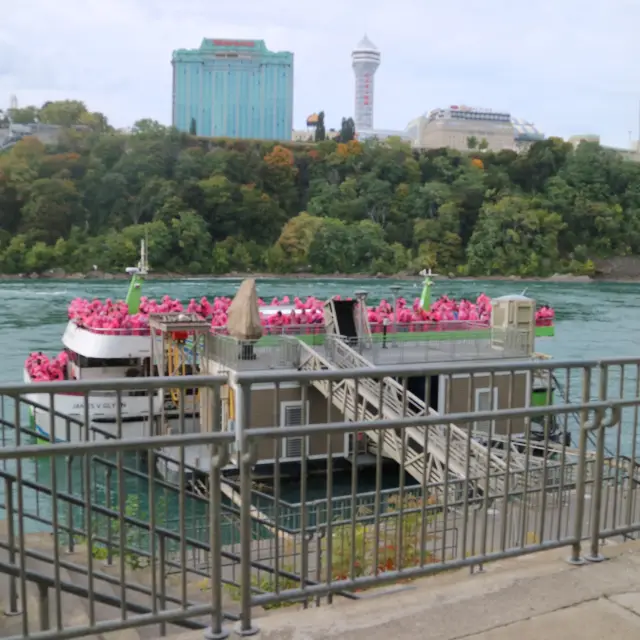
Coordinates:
[297,316]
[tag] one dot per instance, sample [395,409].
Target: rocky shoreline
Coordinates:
[619,269]
[59,274]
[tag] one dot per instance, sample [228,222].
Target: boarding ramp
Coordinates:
[450,451]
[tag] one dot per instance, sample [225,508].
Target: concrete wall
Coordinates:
[454,133]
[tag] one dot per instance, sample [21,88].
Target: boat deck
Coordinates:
[392,353]
[285,355]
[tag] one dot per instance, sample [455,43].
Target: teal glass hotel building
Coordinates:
[234,89]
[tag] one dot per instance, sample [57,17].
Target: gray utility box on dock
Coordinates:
[513,323]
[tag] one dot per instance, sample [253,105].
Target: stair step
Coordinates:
[448,446]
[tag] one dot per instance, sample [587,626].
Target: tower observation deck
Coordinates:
[365,59]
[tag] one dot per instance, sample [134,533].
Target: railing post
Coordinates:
[218,461]
[594,550]
[599,426]
[320,534]
[576,548]
[43,606]
[70,492]
[162,554]
[243,400]
[11,541]
[109,519]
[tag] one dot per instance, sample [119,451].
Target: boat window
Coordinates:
[91,363]
[484,403]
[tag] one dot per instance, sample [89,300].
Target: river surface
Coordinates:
[593,320]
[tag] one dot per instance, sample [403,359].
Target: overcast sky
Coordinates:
[569,66]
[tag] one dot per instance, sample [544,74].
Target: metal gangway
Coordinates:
[430,454]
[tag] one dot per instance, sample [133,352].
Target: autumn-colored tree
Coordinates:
[279,157]
[355,148]
[29,150]
[342,150]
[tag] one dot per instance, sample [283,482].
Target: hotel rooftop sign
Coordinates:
[214,46]
[234,43]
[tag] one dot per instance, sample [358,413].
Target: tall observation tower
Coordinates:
[365,59]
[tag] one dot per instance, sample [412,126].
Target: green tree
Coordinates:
[192,127]
[52,208]
[63,112]
[439,242]
[149,126]
[24,115]
[294,242]
[320,133]
[347,130]
[472,142]
[514,236]
[223,205]
[332,249]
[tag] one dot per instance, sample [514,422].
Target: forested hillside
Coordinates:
[218,206]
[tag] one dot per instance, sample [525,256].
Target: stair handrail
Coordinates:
[341,347]
[346,357]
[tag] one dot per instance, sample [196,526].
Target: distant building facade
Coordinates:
[233,88]
[632,153]
[455,126]
[46,133]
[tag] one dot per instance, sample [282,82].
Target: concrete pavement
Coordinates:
[537,596]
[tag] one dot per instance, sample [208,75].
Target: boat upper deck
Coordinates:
[286,352]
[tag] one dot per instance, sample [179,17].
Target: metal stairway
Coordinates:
[451,453]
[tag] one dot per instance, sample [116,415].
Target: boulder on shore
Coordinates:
[567,277]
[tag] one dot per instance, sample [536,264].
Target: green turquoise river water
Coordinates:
[593,320]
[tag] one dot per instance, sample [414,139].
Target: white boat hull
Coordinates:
[68,422]
[70,431]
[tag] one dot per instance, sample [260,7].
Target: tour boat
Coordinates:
[107,340]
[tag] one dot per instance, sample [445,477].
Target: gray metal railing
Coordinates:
[141,551]
[390,348]
[270,352]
